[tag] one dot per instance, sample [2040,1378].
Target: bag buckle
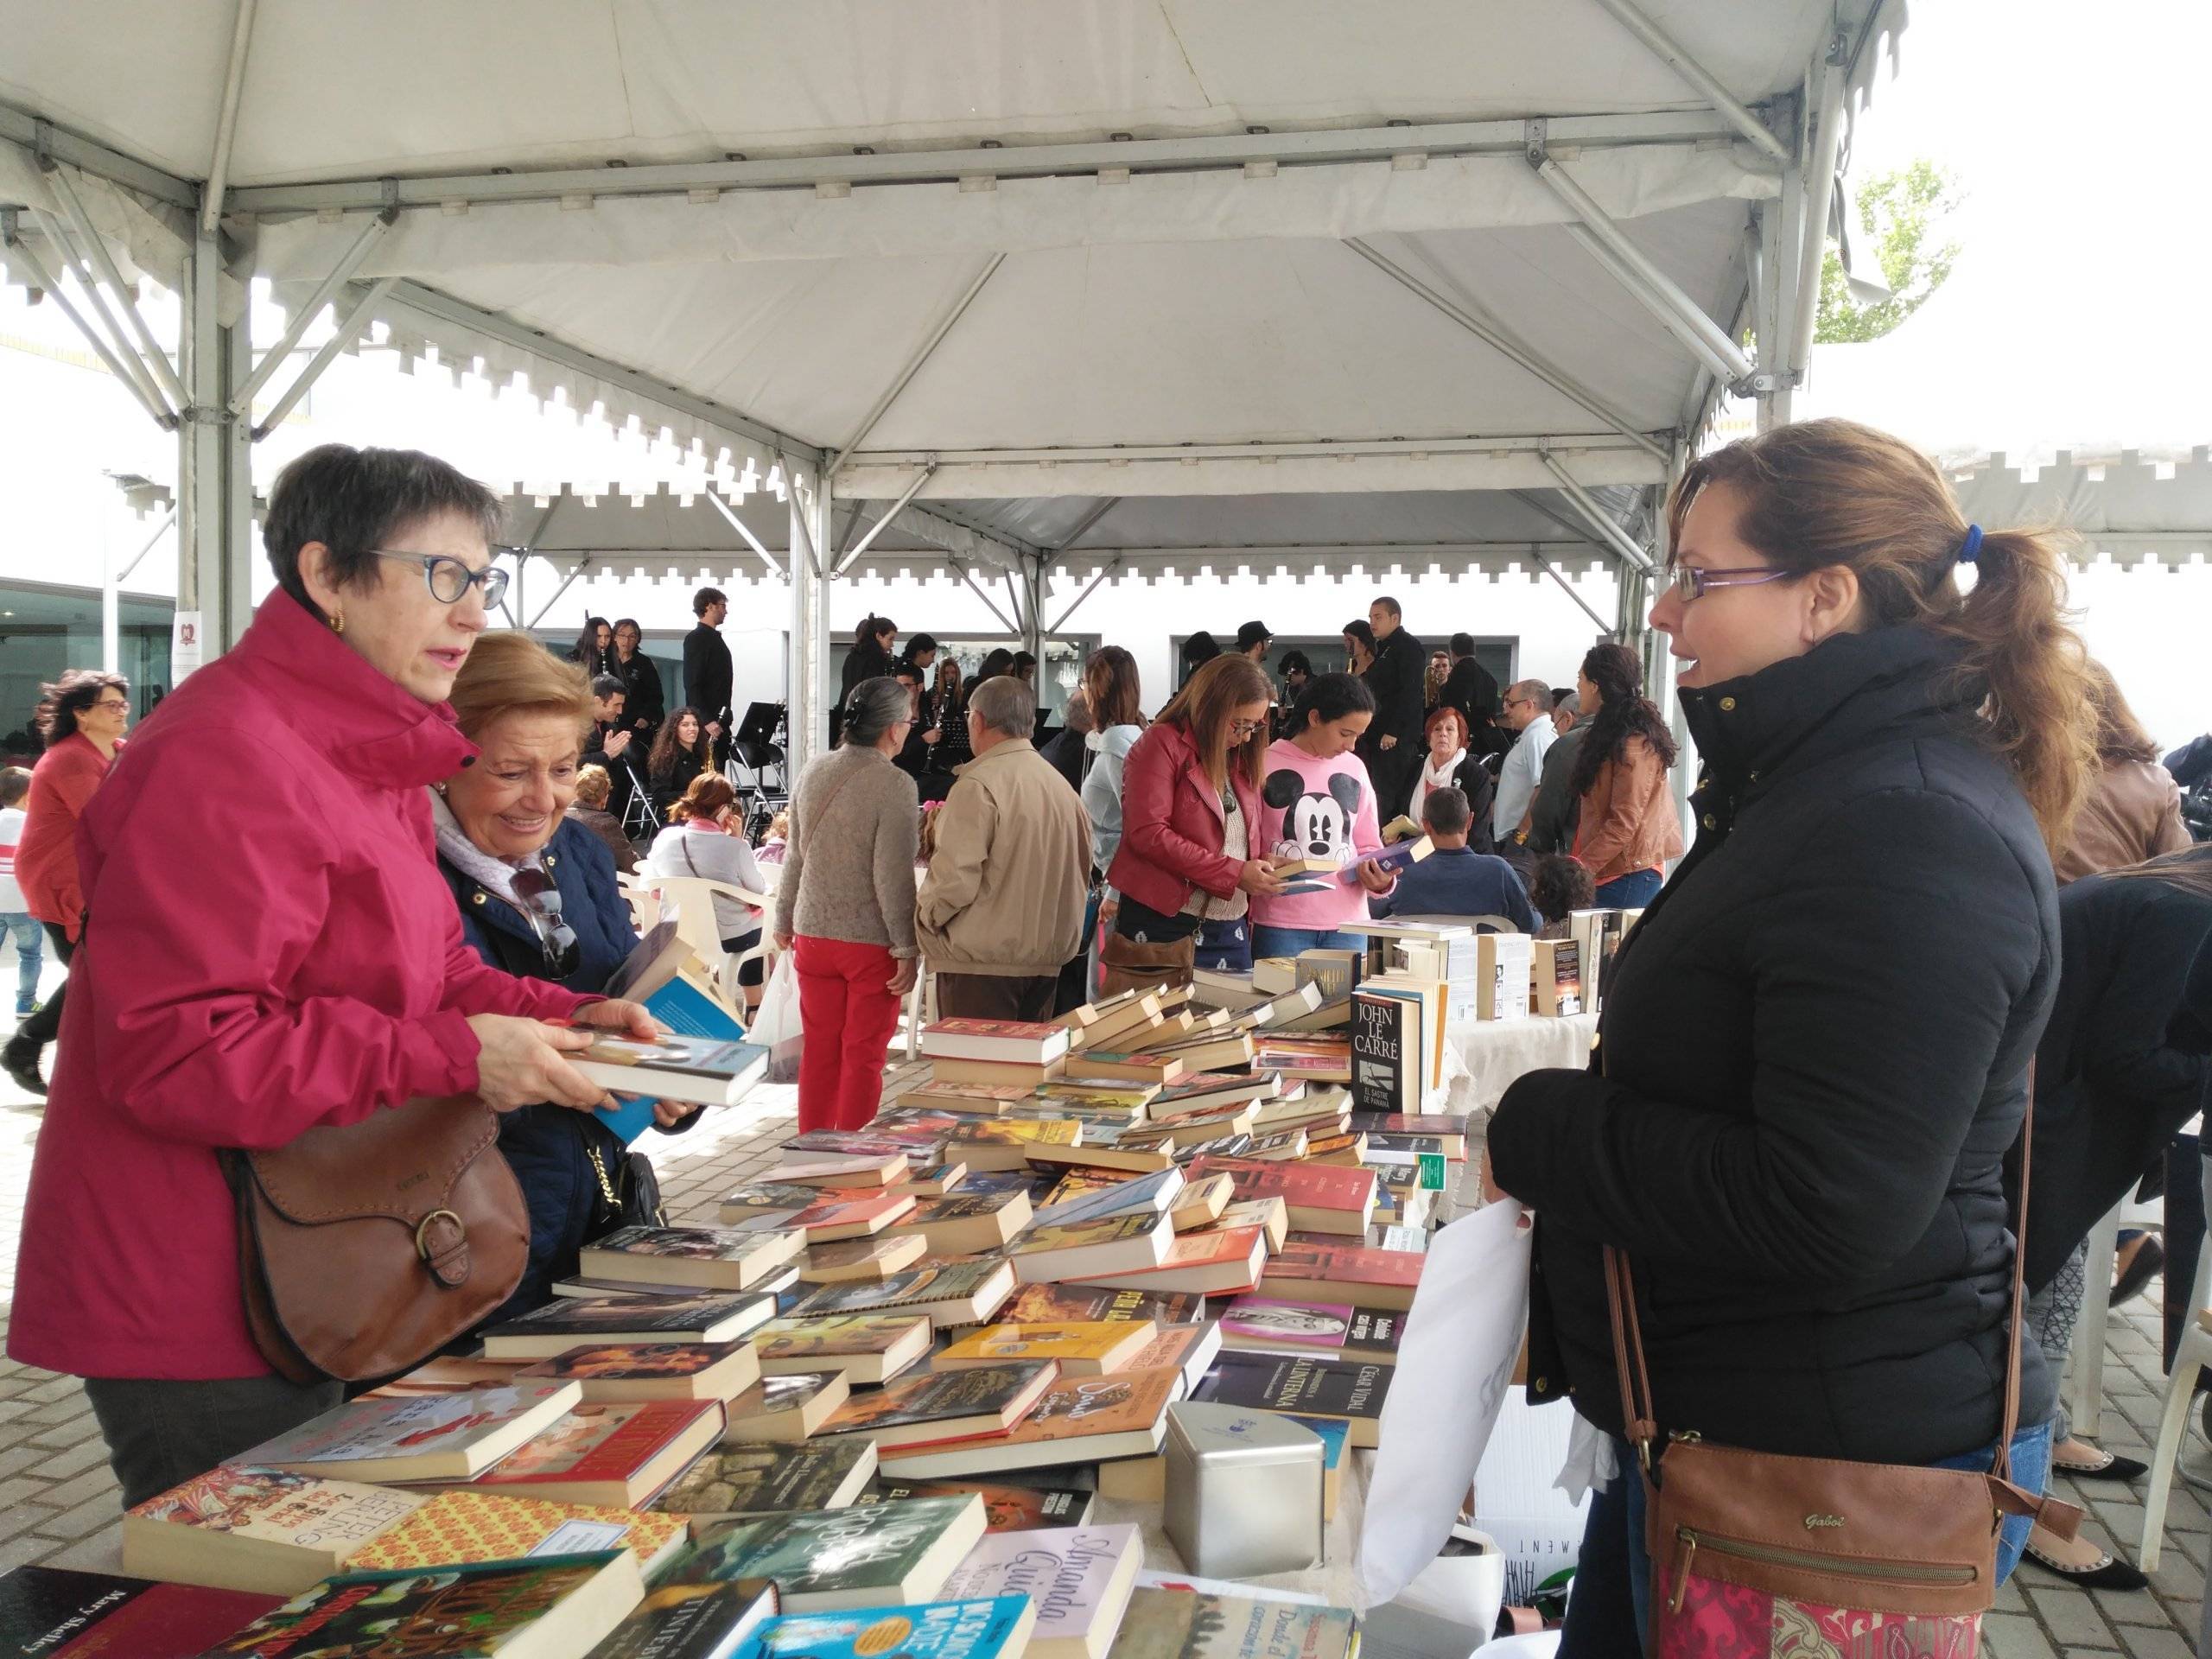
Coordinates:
[449,1265]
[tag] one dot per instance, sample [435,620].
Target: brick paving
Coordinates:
[57,1500]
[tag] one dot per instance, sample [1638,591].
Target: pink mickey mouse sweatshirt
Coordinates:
[1315,809]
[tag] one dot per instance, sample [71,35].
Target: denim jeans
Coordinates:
[1630,892]
[1226,947]
[1611,1606]
[30,955]
[1289,941]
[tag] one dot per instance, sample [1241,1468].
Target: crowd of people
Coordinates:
[1935,857]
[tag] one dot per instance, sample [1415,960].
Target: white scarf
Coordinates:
[472,861]
[1435,774]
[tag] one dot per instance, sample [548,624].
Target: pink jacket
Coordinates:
[270,947]
[46,858]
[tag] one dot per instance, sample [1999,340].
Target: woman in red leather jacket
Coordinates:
[1190,817]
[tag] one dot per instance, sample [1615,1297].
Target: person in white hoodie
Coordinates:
[701,841]
[15,918]
[1111,689]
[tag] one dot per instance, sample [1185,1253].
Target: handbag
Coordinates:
[367,1248]
[1757,1553]
[1128,965]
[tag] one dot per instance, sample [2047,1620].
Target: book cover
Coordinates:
[1089,1303]
[1303,1188]
[778,1196]
[827,1169]
[458,1610]
[868,1260]
[425,1437]
[1084,1197]
[457,1529]
[995,1629]
[1269,1322]
[651,1370]
[571,1322]
[693,1621]
[971,1218]
[54,1612]
[944,1293]
[944,1405]
[1015,1132]
[262,1530]
[1192,1625]
[1049,1251]
[1189,1349]
[1386,1052]
[1555,976]
[705,1070]
[985,1099]
[713,1258]
[994,1039]
[859,1216]
[1086,1349]
[1215,1262]
[762,1477]
[1080,1577]
[1308,1387]
[866,1347]
[1072,1422]
[786,1408]
[617,1445]
[1006,1509]
[1502,971]
[1348,1265]
[866,1555]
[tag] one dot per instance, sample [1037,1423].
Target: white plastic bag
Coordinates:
[776,1023]
[1463,1335]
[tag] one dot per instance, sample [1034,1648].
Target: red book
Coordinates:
[619,1454]
[1356,1274]
[1222,1262]
[839,1215]
[1007,1041]
[1321,1197]
[60,1611]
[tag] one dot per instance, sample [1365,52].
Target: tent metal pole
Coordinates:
[961,571]
[1601,521]
[1826,141]
[804,538]
[1658,292]
[914,364]
[752,540]
[878,526]
[347,331]
[1567,587]
[214,461]
[133,366]
[139,558]
[303,318]
[1104,571]
[1033,609]
[805,712]
[42,138]
[1506,346]
[1013,604]
[1725,365]
[227,123]
[104,262]
[1663,47]
[160,415]
[567,582]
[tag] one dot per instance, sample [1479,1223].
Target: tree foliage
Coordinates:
[1902,217]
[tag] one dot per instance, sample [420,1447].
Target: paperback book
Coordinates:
[1307,1387]
[702,1258]
[766,1479]
[1089,1303]
[1090,1349]
[1081,1420]
[1196,1625]
[54,1612]
[959,1293]
[428,1437]
[568,1322]
[618,1454]
[1080,1577]
[456,1528]
[1005,1508]
[940,1406]
[867,1348]
[265,1531]
[651,1370]
[862,1556]
[785,1408]
[995,1629]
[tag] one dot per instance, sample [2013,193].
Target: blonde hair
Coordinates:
[510,673]
[779,827]
[594,786]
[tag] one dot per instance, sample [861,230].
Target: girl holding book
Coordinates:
[1318,807]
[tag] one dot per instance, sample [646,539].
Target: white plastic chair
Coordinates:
[920,1002]
[696,924]
[2193,1353]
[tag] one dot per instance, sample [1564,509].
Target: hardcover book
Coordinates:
[1089,1303]
[785,1408]
[960,1293]
[1080,1419]
[1307,1387]
[561,1606]
[1080,1577]
[1090,1349]
[429,1437]
[866,1347]
[997,1629]
[54,1612]
[618,1455]
[651,1370]
[263,1531]
[1006,1509]
[940,1406]
[1192,1625]
[465,1527]
[766,1479]
[706,1258]
[863,1556]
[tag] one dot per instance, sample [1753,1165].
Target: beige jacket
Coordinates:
[1007,888]
[1628,820]
[2131,812]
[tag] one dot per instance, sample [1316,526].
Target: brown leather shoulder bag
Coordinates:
[366,1249]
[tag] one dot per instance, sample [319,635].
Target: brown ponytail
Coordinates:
[1826,492]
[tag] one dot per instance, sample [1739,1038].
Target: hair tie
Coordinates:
[1970,549]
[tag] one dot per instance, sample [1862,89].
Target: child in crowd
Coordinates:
[925,839]
[770,850]
[1560,885]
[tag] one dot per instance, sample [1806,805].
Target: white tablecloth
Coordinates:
[1496,1051]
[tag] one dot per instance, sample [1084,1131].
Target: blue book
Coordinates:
[687,1011]
[981,1628]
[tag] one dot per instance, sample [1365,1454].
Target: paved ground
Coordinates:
[58,1501]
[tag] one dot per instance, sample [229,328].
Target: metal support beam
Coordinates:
[215,493]
[139,558]
[1601,521]
[805,701]
[1105,571]
[42,138]
[803,538]
[567,582]
[133,365]
[1663,47]
[104,262]
[961,571]
[227,120]
[348,330]
[1824,143]
[1508,347]
[1656,290]
[303,317]
[878,526]
[914,364]
[1567,587]
[1085,524]
[157,412]
[745,531]
[1032,610]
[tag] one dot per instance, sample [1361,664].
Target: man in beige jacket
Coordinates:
[1003,907]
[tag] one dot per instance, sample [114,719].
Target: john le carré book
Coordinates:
[859,1557]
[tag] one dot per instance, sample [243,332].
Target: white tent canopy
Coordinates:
[972,257]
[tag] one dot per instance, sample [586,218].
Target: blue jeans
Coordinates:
[1630,892]
[1289,941]
[30,955]
[1603,1622]
[1225,947]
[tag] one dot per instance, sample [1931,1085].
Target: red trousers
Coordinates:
[848,1011]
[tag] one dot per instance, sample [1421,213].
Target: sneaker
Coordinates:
[24,1068]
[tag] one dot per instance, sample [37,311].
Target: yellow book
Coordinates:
[1083,1348]
[456,1528]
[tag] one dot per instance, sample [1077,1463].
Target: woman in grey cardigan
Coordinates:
[846,906]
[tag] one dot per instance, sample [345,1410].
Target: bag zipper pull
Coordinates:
[1682,1568]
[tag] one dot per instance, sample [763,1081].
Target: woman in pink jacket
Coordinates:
[268,947]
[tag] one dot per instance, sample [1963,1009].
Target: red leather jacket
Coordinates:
[1171,824]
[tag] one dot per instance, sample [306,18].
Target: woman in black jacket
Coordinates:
[595,647]
[870,658]
[1815,1043]
[644,703]
[679,755]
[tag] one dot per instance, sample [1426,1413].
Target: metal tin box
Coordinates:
[1244,1491]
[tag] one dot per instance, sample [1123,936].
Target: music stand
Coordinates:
[754,747]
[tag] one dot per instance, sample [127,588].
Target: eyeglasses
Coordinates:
[1690,582]
[541,908]
[122,704]
[447,578]
[1241,729]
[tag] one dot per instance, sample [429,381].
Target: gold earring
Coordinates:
[338,622]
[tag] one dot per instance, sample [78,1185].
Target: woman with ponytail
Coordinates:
[1626,828]
[1816,1042]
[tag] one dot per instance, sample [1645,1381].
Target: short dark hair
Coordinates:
[1331,697]
[705,597]
[1445,811]
[871,625]
[1294,662]
[630,622]
[1390,605]
[59,704]
[604,686]
[919,643]
[1463,644]
[1560,885]
[1561,693]
[904,669]
[1023,660]
[15,784]
[355,501]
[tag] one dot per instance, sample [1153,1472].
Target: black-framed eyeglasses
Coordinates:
[447,578]
[122,704]
[541,908]
[1690,581]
